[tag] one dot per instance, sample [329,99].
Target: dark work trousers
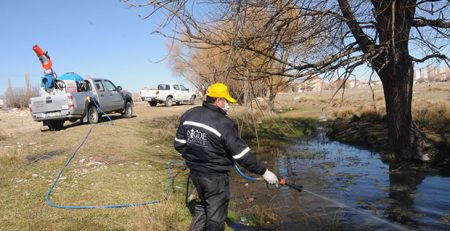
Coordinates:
[210,213]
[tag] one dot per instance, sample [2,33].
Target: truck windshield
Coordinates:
[163,87]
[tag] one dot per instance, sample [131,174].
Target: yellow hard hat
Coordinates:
[220,90]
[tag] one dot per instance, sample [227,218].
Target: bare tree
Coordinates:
[246,72]
[28,88]
[19,97]
[9,95]
[388,36]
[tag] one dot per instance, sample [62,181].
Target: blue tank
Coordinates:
[70,76]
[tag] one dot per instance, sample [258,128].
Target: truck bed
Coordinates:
[59,106]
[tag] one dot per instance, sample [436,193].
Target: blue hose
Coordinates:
[243,174]
[114,206]
[111,206]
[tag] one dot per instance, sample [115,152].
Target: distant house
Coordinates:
[2,103]
[432,74]
[420,76]
[353,83]
[373,83]
[376,83]
[313,84]
[440,74]
[341,83]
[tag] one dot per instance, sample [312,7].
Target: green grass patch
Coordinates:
[262,218]
[279,131]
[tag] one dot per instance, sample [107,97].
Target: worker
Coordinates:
[209,142]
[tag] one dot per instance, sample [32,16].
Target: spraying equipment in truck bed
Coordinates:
[71,97]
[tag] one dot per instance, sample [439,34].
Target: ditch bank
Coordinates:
[346,187]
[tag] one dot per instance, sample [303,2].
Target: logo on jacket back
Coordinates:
[197,137]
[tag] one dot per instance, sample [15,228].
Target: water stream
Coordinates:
[346,188]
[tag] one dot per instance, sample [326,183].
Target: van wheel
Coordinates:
[93,115]
[128,111]
[169,101]
[192,100]
[153,103]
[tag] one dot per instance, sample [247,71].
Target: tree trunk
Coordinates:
[405,139]
[395,68]
[271,102]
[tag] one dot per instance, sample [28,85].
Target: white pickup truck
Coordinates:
[168,93]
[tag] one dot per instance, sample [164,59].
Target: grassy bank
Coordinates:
[124,163]
[279,132]
[358,116]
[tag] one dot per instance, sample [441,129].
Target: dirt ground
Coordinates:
[15,123]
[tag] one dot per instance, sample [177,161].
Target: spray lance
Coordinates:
[48,81]
[291,185]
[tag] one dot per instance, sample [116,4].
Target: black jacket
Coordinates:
[208,140]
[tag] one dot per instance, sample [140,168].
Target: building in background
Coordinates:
[432,74]
[353,83]
[313,84]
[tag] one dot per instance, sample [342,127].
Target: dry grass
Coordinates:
[2,136]
[431,106]
[170,215]
[433,116]
[124,163]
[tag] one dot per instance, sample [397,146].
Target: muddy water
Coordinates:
[345,188]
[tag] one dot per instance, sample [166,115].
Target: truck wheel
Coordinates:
[169,101]
[153,103]
[92,115]
[51,125]
[55,125]
[192,100]
[128,111]
[59,124]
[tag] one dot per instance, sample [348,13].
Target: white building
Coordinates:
[353,83]
[432,74]
[313,84]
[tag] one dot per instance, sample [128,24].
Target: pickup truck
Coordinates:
[74,100]
[168,93]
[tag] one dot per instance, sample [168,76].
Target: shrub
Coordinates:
[20,97]
[345,113]
[372,116]
[434,117]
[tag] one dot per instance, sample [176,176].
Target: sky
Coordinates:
[101,38]
[97,38]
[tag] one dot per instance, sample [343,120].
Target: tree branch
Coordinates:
[363,40]
[421,22]
[434,55]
